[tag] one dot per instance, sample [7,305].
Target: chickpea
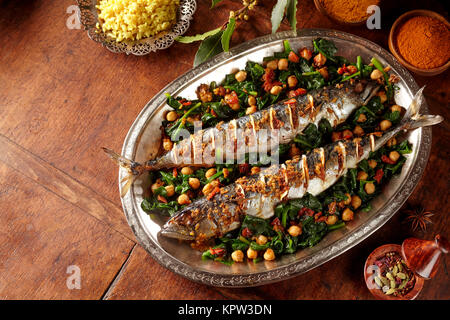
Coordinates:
[305,53]
[234,106]
[320,60]
[347,215]
[292,81]
[362,175]
[294,151]
[348,200]
[170,189]
[194,183]
[295,231]
[356,202]
[394,156]
[261,240]
[362,118]
[324,72]
[183,199]
[158,183]
[391,142]
[171,116]
[237,256]
[358,131]
[369,188]
[252,254]
[209,187]
[397,108]
[376,74]
[255,170]
[251,101]
[382,95]
[385,124]
[372,163]
[272,64]
[283,64]
[269,255]
[275,90]
[187,170]
[210,173]
[250,110]
[240,76]
[331,220]
[167,144]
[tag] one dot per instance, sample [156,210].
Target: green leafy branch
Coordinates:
[218,40]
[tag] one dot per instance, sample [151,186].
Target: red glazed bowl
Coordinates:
[369,272]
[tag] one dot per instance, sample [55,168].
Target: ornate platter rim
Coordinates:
[332,250]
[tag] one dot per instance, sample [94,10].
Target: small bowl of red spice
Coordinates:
[420,40]
[346,12]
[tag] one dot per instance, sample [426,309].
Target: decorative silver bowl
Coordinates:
[89,19]
[142,143]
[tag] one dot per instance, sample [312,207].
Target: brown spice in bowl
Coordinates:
[424,42]
[348,10]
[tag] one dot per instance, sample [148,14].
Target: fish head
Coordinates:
[191,223]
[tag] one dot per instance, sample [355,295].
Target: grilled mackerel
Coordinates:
[240,136]
[257,195]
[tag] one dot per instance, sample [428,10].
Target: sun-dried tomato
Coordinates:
[246,233]
[244,168]
[161,198]
[231,98]
[290,101]
[317,215]
[386,159]
[174,172]
[305,211]
[217,251]
[213,193]
[378,175]
[293,57]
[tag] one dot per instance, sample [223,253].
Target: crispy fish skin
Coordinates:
[282,122]
[331,103]
[257,195]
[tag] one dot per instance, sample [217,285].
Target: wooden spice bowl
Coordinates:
[393,47]
[323,11]
[369,272]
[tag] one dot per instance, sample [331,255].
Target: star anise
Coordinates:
[418,218]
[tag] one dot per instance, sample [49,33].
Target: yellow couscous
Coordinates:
[136,19]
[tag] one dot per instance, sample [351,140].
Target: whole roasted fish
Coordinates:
[257,195]
[282,121]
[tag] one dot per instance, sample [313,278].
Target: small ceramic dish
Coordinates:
[322,10]
[89,18]
[394,50]
[369,271]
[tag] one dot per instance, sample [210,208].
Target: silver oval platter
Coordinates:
[143,140]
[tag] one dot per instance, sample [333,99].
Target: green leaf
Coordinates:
[214,2]
[291,14]
[197,37]
[278,14]
[226,35]
[209,47]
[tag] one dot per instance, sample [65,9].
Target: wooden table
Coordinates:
[62,97]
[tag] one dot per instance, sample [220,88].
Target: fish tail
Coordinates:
[413,119]
[135,169]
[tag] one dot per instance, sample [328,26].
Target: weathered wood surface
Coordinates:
[63,96]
